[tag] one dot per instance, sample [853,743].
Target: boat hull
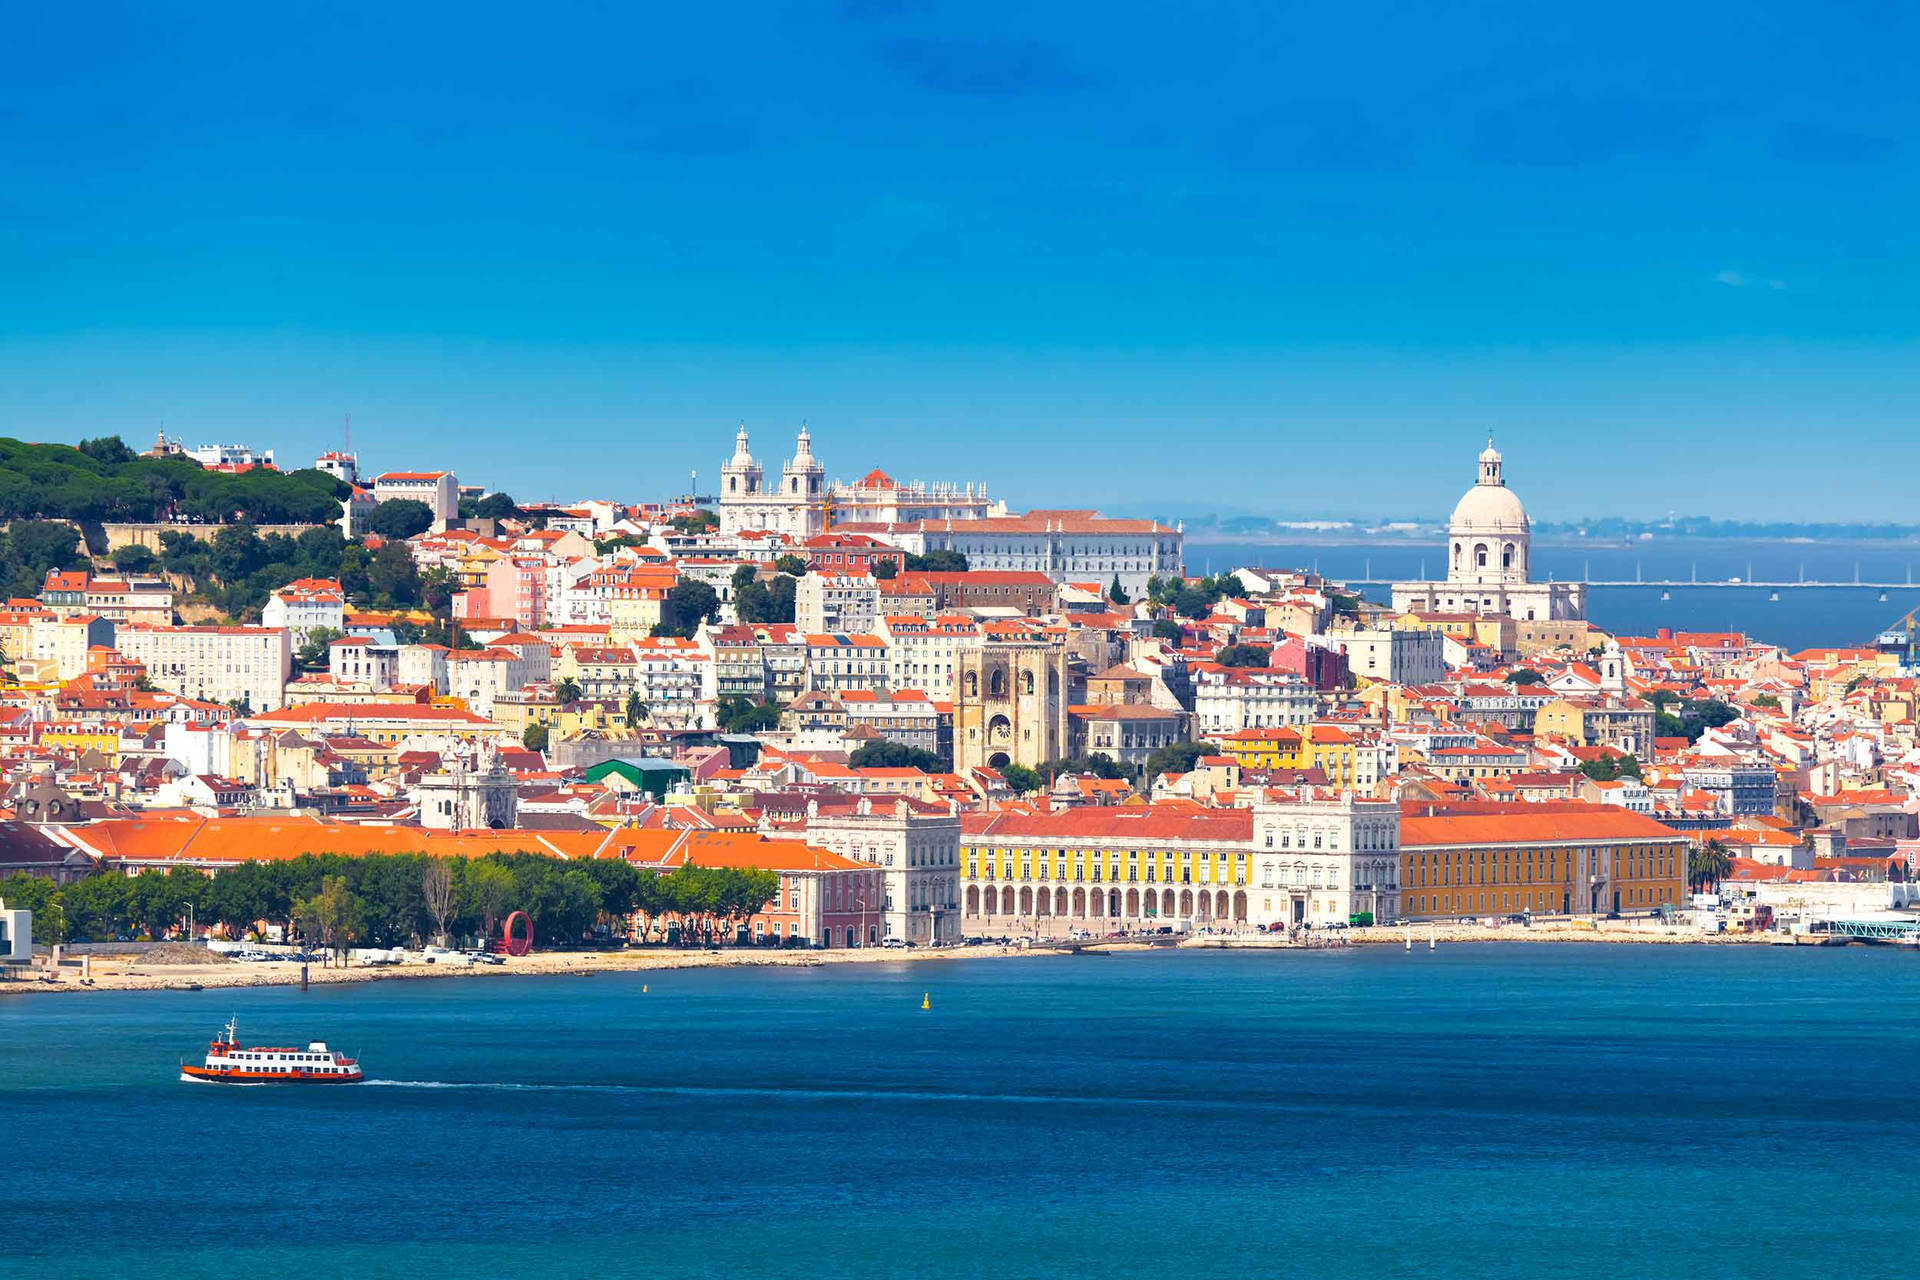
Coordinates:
[204,1076]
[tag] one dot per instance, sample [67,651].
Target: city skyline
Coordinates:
[1117,254]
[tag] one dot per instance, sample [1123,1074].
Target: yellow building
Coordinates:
[520,709]
[1547,858]
[1133,865]
[635,603]
[1314,746]
[568,723]
[1260,748]
[79,738]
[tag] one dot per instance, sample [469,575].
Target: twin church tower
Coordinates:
[796,506]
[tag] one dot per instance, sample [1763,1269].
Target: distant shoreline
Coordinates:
[1435,537]
[117,973]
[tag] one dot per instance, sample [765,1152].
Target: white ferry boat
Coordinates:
[229,1062]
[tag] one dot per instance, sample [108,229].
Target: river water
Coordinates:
[1800,618]
[1500,1110]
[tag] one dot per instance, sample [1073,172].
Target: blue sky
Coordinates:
[1160,258]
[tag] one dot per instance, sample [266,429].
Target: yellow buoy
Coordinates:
[926,1000]
[643,988]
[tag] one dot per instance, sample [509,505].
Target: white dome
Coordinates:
[1489,508]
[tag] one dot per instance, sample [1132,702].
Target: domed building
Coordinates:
[1489,560]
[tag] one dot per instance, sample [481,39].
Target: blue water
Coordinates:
[1801,618]
[1477,1111]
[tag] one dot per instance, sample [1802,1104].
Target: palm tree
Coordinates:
[1708,864]
[636,709]
[567,691]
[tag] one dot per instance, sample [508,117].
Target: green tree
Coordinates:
[110,451]
[393,578]
[1522,677]
[689,603]
[738,715]
[1609,767]
[1022,780]
[743,894]
[334,917]
[1176,757]
[134,558]
[1244,655]
[770,601]
[535,737]
[1118,593]
[314,653]
[885,570]
[635,710]
[489,887]
[883,754]
[437,588]
[1194,602]
[496,506]
[400,519]
[791,565]
[439,891]
[567,691]
[937,562]
[99,908]
[1708,864]
[700,521]
[42,897]
[1168,629]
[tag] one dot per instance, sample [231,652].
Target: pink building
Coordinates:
[517,589]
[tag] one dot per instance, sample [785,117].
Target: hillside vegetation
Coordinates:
[104,480]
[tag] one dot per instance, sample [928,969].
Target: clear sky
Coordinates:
[1156,257]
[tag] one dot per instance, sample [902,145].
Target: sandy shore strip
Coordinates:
[132,973]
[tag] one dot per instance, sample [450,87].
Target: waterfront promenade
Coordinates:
[131,973]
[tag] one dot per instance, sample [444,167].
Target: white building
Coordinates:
[1226,699]
[440,490]
[924,653]
[796,506]
[917,848]
[123,600]
[16,935]
[423,664]
[214,664]
[62,643]
[304,606]
[830,600]
[838,663]
[341,466]
[1398,655]
[201,749]
[1321,858]
[1068,546]
[674,678]
[358,660]
[877,498]
[1489,560]
[355,510]
[478,676]
[229,456]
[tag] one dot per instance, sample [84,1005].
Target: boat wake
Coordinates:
[831,1095]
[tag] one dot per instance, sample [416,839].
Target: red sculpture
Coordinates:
[510,945]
